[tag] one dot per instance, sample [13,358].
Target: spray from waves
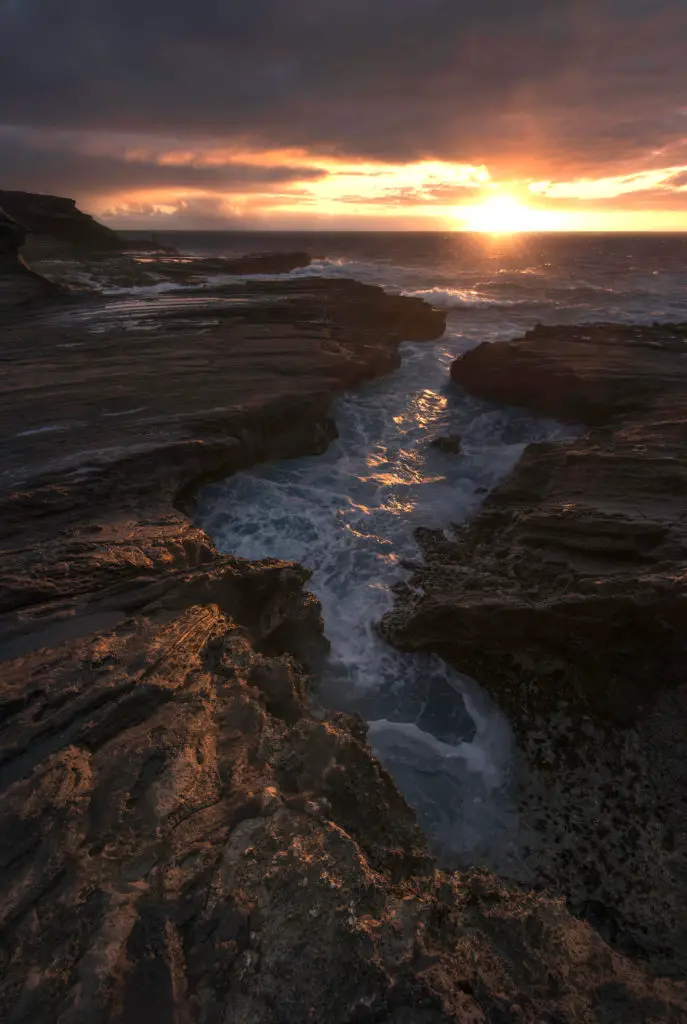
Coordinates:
[464,298]
[207,283]
[397,279]
[330,267]
[387,275]
[159,288]
[392,278]
[368,273]
[349,515]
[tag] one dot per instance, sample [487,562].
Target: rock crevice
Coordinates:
[184,834]
[566,597]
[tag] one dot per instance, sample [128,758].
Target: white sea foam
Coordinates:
[349,515]
[340,267]
[457,298]
[148,289]
[330,268]
[49,428]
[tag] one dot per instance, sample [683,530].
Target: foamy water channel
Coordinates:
[349,515]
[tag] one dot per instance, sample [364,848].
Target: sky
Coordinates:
[493,115]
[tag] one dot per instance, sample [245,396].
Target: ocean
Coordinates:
[350,514]
[491,286]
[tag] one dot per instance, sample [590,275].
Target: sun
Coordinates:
[503,215]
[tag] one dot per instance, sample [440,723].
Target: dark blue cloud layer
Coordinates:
[576,86]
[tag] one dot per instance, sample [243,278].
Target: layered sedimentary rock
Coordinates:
[185,835]
[184,839]
[567,597]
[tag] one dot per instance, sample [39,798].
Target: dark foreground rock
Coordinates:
[184,836]
[19,284]
[448,443]
[178,846]
[567,598]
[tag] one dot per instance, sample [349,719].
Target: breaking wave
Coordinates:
[457,298]
[349,515]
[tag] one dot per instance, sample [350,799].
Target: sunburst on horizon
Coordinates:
[505,215]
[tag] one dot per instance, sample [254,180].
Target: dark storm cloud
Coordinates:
[29,165]
[580,83]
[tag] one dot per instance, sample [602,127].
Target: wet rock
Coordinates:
[183,837]
[449,443]
[282,686]
[189,270]
[208,860]
[257,263]
[566,597]
[104,270]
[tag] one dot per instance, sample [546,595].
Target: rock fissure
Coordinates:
[566,597]
[211,846]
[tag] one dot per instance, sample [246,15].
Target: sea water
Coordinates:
[350,514]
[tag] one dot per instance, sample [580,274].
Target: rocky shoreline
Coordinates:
[567,598]
[71,256]
[185,835]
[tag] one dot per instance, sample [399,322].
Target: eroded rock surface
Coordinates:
[567,598]
[448,443]
[184,835]
[185,838]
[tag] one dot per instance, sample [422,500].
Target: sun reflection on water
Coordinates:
[422,409]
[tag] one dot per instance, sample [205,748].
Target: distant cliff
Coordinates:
[71,255]
[18,283]
[58,219]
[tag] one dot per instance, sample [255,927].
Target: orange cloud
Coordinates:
[609,187]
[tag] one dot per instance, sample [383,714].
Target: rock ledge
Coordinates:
[567,598]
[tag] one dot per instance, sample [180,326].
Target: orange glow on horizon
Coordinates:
[425,195]
[242,181]
[506,215]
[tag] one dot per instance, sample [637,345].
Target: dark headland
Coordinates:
[185,835]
